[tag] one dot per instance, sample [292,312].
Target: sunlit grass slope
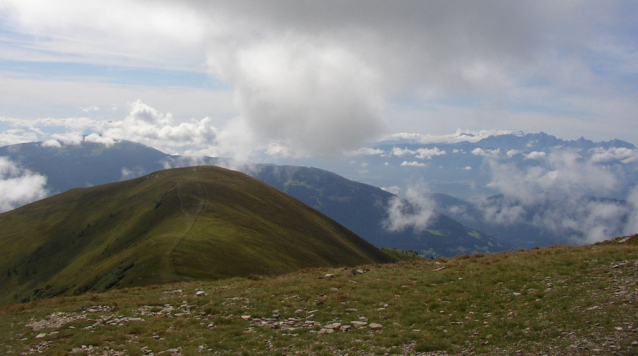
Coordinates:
[174,225]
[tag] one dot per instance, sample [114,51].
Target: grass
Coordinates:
[174,225]
[558,300]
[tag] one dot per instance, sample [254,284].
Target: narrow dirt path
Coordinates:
[200,208]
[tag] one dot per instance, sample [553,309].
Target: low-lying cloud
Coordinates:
[416,211]
[558,195]
[19,186]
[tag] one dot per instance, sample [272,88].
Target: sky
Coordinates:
[314,78]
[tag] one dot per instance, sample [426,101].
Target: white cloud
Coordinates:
[632,220]
[415,211]
[536,155]
[16,136]
[19,186]
[146,125]
[512,153]
[364,151]
[458,136]
[623,154]
[400,152]
[553,196]
[412,164]
[486,153]
[393,189]
[428,153]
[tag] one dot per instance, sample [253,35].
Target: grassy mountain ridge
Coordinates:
[359,207]
[173,225]
[549,301]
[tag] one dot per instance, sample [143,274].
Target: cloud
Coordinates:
[512,153]
[364,151]
[415,211]
[458,136]
[535,155]
[556,196]
[623,154]
[632,221]
[19,186]
[486,153]
[146,125]
[428,153]
[412,164]
[321,77]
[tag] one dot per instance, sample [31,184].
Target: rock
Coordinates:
[375,326]
[329,276]
[200,293]
[41,335]
[358,324]
[246,317]
[333,326]
[325,331]
[351,310]
[516,294]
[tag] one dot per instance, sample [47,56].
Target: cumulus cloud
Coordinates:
[623,154]
[486,153]
[428,153]
[19,186]
[512,153]
[535,155]
[146,125]
[557,196]
[317,76]
[415,211]
[412,164]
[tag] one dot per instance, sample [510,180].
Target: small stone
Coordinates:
[246,317]
[328,276]
[634,344]
[41,335]
[333,326]
[358,324]
[375,326]
[516,294]
[200,293]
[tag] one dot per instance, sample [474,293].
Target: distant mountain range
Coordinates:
[184,224]
[499,193]
[359,207]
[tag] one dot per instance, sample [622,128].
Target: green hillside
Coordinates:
[176,225]
[552,301]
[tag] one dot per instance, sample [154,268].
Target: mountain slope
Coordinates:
[359,207]
[363,209]
[174,225]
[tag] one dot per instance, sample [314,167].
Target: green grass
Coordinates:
[558,300]
[176,225]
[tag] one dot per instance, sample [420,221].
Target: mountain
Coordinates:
[197,223]
[359,207]
[364,209]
